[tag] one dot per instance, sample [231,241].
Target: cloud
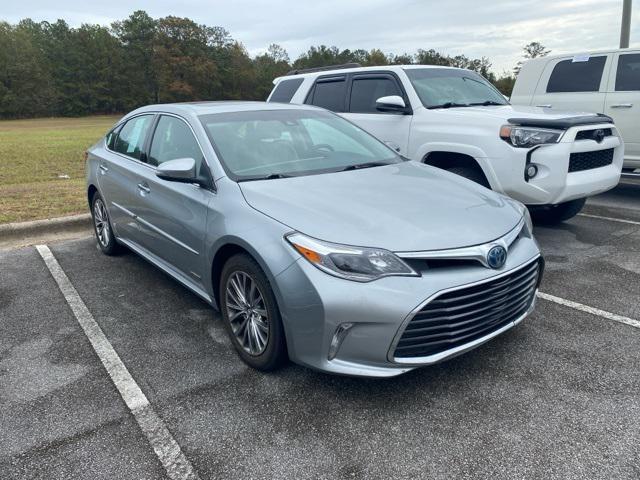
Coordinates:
[497,30]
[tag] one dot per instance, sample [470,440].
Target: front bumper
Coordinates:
[314,304]
[554,183]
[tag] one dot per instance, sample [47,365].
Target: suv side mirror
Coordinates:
[178,170]
[392,103]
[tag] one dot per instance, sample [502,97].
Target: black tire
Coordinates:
[104,236]
[473,174]
[555,214]
[274,354]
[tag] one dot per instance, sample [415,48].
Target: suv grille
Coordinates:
[590,134]
[462,316]
[588,160]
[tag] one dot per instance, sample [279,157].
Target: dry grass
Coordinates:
[36,156]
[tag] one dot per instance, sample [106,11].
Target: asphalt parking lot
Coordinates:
[556,397]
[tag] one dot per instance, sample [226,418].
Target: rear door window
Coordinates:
[576,75]
[110,139]
[329,93]
[365,92]
[284,91]
[130,140]
[628,73]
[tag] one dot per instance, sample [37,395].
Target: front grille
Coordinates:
[462,316]
[590,134]
[588,160]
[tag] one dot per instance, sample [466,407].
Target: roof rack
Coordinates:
[298,71]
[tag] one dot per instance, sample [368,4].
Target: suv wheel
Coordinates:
[102,226]
[558,213]
[472,174]
[251,315]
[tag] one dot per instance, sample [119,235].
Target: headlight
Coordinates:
[352,263]
[526,137]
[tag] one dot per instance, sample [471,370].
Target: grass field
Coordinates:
[36,156]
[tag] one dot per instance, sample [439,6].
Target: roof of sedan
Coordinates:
[205,108]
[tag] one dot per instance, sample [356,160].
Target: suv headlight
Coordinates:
[526,137]
[359,264]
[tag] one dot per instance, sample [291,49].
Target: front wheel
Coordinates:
[251,315]
[558,213]
[473,174]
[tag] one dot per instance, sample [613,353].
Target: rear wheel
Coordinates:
[251,314]
[473,174]
[102,226]
[558,213]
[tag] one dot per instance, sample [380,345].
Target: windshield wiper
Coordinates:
[486,103]
[271,176]
[358,166]
[449,105]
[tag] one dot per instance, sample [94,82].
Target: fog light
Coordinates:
[531,171]
[339,335]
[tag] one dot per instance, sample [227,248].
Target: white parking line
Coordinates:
[163,443]
[593,311]
[611,219]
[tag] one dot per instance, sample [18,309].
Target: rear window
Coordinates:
[628,74]
[284,91]
[329,94]
[577,76]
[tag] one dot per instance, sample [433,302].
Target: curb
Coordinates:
[50,226]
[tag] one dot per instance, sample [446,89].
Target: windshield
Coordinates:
[280,143]
[449,87]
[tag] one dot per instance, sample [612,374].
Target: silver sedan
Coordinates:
[316,242]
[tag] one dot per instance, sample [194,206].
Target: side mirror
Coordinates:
[392,103]
[178,170]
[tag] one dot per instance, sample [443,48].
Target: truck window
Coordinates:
[365,92]
[628,73]
[329,94]
[572,76]
[284,91]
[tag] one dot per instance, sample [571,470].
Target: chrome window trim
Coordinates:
[437,357]
[152,167]
[474,252]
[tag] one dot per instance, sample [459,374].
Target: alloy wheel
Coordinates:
[247,313]
[101,221]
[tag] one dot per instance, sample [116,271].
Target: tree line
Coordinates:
[52,69]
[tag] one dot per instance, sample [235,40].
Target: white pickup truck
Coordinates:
[456,120]
[602,82]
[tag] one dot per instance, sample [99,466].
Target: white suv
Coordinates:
[603,82]
[455,119]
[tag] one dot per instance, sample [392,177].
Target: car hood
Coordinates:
[503,113]
[401,207]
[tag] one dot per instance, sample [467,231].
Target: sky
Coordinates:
[497,29]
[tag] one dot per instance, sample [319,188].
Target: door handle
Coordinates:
[144,188]
[545,105]
[622,105]
[103,169]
